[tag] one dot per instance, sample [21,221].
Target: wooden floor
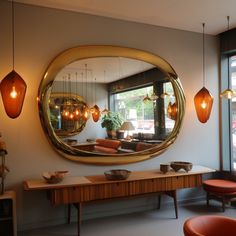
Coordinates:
[152,223]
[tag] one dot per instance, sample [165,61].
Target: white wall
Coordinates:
[41,34]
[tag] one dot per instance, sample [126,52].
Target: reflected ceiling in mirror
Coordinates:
[135,87]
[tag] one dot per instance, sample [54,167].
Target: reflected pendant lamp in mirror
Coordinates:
[203,100]
[13,89]
[172,111]
[96,113]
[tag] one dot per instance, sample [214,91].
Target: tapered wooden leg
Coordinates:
[159,201]
[78,207]
[68,213]
[175,202]
[174,196]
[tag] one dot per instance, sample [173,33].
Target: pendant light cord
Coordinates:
[203,48]
[228,58]
[13,33]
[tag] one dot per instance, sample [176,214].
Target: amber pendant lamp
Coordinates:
[13,87]
[203,100]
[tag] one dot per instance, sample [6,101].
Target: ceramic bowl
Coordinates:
[177,165]
[54,177]
[118,174]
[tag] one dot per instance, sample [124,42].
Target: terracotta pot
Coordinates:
[111,133]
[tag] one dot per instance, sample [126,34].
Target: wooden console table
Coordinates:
[78,190]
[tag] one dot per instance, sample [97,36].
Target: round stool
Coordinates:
[209,225]
[225,190]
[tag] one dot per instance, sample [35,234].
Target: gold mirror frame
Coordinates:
[91,51]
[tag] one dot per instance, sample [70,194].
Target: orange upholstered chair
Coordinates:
[225,190]
[210,225]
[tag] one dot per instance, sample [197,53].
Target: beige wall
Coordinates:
[41,34]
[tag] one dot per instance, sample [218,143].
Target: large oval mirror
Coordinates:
[110,104]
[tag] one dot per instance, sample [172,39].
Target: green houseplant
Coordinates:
[112,122]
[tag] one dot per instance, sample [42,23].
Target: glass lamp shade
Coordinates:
[203,101]
[164,95]
[13,89]
[228,94]
[172,111]
[85,113]
[105,111]
[96,113]
[147,99]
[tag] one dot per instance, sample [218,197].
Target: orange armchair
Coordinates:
[210,225]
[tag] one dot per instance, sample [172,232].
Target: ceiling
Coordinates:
[178,14]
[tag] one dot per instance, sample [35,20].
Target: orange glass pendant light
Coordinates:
[13,87]
[96,113]
[203,100]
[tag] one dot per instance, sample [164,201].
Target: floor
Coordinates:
[152,223]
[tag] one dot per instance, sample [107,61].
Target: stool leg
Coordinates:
[223,204]
[207,199]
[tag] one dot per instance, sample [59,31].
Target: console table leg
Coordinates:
[78,207]
[174,196]
[159,201]
[68,213]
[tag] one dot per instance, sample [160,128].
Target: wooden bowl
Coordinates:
[54,177]
[118,174]
[177,165]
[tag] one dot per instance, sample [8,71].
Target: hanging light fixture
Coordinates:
[228,93]
[172,111]
[76,108]
[105,111]
[165,94]
[95,109]
[147,99]
[203,100]
[13,87]
[86,110]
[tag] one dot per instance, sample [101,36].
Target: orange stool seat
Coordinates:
[210,225]
[220,185]
[219,188]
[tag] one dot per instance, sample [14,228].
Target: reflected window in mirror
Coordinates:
[145,103]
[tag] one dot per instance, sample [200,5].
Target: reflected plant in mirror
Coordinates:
[81,82]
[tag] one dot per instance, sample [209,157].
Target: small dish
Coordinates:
[54,177]
[177,165]
[117,174]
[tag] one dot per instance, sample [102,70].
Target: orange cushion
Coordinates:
[219,186]
[108,143]
[210,225]
[105,149]
[143,146]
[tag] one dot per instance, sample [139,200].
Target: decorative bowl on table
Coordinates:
[117,174]
[54,177]
[177,165]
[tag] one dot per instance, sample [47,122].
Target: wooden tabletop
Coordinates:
[70,181]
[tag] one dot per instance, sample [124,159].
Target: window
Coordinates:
[232,77]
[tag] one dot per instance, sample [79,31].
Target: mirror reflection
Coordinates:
[112,105]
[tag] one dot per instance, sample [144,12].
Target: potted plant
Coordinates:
[112,122]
